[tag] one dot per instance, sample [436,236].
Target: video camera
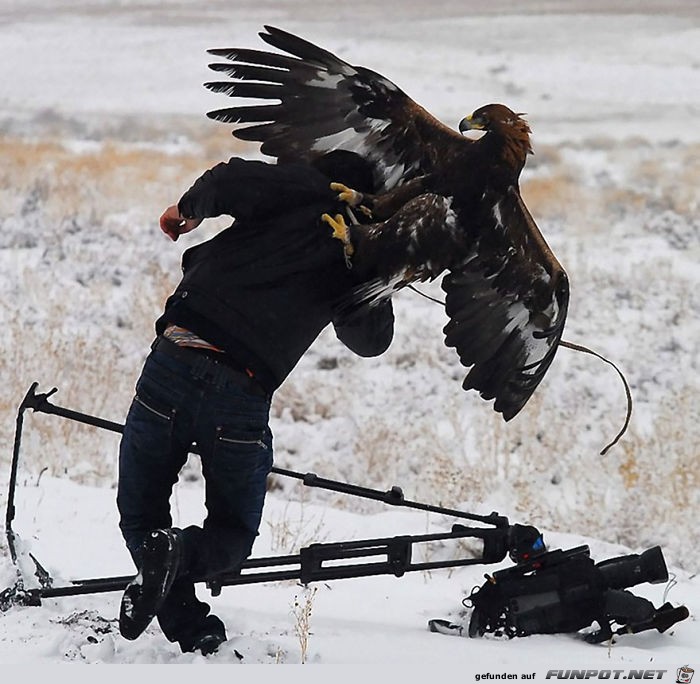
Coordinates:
[566,591]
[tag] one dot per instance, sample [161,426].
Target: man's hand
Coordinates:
[174,225]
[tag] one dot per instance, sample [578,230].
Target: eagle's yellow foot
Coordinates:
[340,232]
[346,194]
[352,197]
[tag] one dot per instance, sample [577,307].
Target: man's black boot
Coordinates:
[143,597]
[206,638]
[211,637]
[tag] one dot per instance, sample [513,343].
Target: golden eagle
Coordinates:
[446,203]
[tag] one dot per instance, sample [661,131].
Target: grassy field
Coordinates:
[87,272]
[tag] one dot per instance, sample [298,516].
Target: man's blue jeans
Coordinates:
[176,405]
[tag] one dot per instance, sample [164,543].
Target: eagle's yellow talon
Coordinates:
[340,228]
[348,195]
[340,231]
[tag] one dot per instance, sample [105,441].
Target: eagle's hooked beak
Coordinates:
[469,123]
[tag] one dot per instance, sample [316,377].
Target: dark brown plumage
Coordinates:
[446,203]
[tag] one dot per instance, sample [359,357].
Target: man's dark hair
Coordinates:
[342,166]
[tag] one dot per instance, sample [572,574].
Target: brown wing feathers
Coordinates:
[507,306]
[325,104]
[506,294]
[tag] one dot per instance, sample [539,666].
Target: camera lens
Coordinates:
[627,571]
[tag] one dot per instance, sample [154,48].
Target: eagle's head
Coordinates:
[500,121]
[492,117]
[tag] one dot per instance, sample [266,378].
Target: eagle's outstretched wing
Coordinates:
[507,295]
[324,103]
[507,305]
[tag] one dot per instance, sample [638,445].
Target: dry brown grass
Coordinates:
[659,178]
[44,334]
[111,175]
[552,195]
[296,527]
[672,179]
[536,462]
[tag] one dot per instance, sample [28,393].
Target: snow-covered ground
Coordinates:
[102,126]
[380,621]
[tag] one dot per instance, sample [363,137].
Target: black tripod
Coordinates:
[367,557]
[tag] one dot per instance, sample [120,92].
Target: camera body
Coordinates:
[562,591]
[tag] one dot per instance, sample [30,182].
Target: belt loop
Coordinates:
[205,368]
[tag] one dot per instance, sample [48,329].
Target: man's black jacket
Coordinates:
[264,288]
